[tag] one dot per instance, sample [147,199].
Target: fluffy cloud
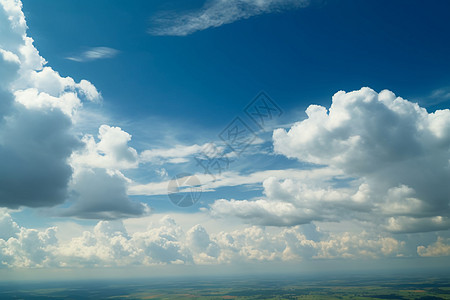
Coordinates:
[391,159]
[348,245]
[35,110]
[264,212]
[402,224]
[8,228]
[31,140]
[34,147]
[111,152]
[440,248]
[43,163]
[102,194]
[98,188]
[297,200]
[216,13]
[205,250]
[395,147]
[110,244]
[25,248]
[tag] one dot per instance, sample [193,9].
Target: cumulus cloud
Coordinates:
[298,200]
[205,250]
[402,224]
[94,54]
[98,187]
[24,248]
[8,227]
[43,163]
[109,244]
[31,140]
[440,248]
[110,152]
[391,159]
[34,148]
[36,109]
[102,194]
[348,245]
[395,147]
[216,13]
[264,212]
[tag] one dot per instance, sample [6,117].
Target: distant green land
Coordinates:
[237,288]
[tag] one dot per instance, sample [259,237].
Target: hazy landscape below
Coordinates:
[239,287]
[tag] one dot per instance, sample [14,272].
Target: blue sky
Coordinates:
[108,102]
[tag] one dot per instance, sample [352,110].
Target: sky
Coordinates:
[223,136]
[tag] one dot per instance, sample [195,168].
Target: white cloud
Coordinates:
[175,155]
[98,188]
[29,248]
[110,152]
[402,224]
[36,104]
[8,228]
[216,13]
[264,212]
[94,54]
[33,99]
[440,248]
[292,201]
[88,90]
[230,179]
[43,163]
[110,244]
[348,245]
[206,250]
[396,151]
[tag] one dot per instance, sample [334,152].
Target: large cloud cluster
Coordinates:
[35,125]
[391,159]
[43,163]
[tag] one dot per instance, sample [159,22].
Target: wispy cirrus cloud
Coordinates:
[216,13]
[94,54]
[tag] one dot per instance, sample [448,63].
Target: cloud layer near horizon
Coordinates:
[165,242]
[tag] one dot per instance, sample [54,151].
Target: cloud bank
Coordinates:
[109,244]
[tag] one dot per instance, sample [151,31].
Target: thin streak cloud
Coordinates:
[216,13]
[94,54]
